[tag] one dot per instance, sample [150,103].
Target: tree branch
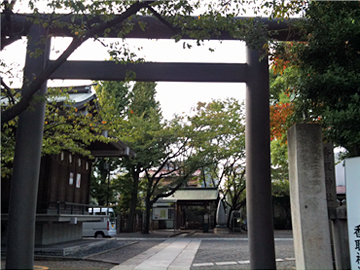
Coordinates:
[162,20]
[33,87]
[162,195]
[8,91]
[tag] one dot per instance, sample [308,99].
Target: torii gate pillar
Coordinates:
[24,186]
[258,177]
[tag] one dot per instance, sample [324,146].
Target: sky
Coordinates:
[174,97]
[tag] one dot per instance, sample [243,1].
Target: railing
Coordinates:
[74,208]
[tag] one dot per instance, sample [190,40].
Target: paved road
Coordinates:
[234,254]
[196,252]
[200,254]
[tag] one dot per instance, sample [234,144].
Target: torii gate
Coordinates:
[255,73]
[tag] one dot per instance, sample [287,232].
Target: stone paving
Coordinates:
[193,251]
[171,254]
[201,251]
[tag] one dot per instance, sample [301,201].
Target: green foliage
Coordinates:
[235,189]
[218,134]
[327,88]
[143,122]
[279,160]
[92,19]
[281,201]
[8,135]
[102,186]
[142,100]
[280,188]
[65,129]
[123,187]
[114,98]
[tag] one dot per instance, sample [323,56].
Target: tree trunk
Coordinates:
[133,202]
[228,223]
[146,221]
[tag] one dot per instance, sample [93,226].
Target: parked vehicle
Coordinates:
[105,227]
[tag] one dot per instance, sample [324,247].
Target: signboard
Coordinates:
[160,214]
[78,180]
[71,178]
[352,177]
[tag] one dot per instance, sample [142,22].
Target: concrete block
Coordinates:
[52,233]
[308,198]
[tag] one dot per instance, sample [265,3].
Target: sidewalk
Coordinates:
[174,253]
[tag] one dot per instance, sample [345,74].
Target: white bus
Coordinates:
[105,227]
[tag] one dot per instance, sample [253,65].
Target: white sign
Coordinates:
[78,180]
[71,178]
[160,213]
[352,177]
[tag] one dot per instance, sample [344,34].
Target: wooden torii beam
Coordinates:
[152,71]
[281,30]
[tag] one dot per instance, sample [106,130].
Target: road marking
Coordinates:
[193,238]
[202,264]
[243,262]
[40,267]
[140,239]
[235,263]
[225,263]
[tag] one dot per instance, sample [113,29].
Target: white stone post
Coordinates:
[308,198]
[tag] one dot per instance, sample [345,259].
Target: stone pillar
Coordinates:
[308,198]
[339,229]
[221,220]
[337,215]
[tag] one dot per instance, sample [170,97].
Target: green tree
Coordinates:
[113,99]
[143,122]
[281,111]
[102,187]
[219,138]
[326,69]
[114,96]
[178,161]
[235,190]
[119,17]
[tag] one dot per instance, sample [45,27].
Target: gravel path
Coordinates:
[93,258]
[109,245]
[123,254]
[70,264]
